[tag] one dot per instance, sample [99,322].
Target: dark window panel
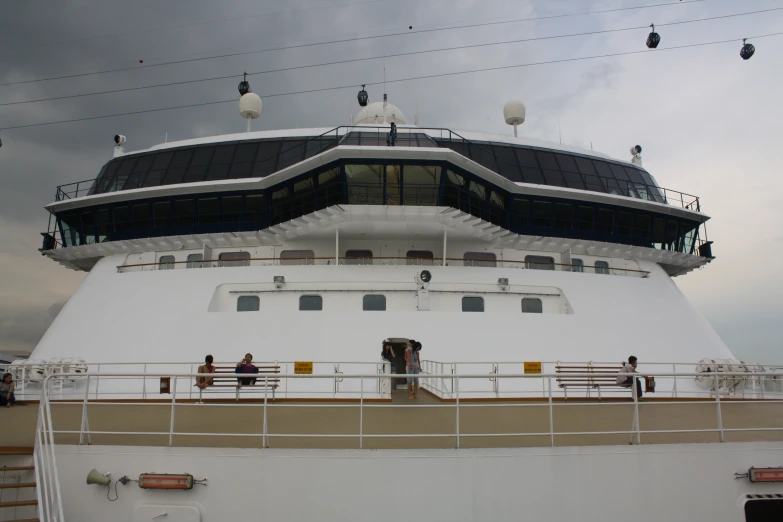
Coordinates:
[602,267]
[594,183]
[154,178]
[641,226]
[141,215]
[634,175]
[195,174]
[122,175]
[143,164]
[624,223]
[240,258]
[248,303]
[185,211]
[311,302]
[162,161]
[231,208]
[254,207]
[554,178]
[88,228]
[419,257]
[240,170]
[567,163]
[520,212]
[223,155]
[245,153]
[619,172]
[107,176]
[658,232]
[458,147]
[602,169]
[671,231]
[365,184]
[217,172]
[507,163]
[121,218]
[317,146]
[208,210]
[266,159]
[485,156]
[539,263]
[614,186]
[564,216]
[455,179]
[374,303]
[497,199]
[577,265]
[532,305]
[181,159]
[202,156]
[103,219]
[585,165]
[174,176]
[485,259]
[134,181]
[526,158]
[573,180]
[531,175]
[353,138]
[585,217]
[358,257]
[542,214]
[291,152]
[605,221]
[161,212]
[547,160]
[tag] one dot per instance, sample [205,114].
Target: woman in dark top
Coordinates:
[7,398]
[388,354]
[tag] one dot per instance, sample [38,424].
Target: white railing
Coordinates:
[139,381]
[50,505]
[370,382]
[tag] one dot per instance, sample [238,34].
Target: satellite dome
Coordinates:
[250,106]
[514,112]
[377,113]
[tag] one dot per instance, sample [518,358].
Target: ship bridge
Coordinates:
[240,185]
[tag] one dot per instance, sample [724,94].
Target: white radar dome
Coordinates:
[514,112]
[377,113]
[250,106]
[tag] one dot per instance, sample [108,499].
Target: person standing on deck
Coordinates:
[388,354]
[7,397]
[412,367]
[625,378]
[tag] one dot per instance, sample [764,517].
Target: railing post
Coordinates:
[457,394]
[361,412]
[84,412]
[97,381]
[173,405]
[264,439]
[717,402]
[144,381]
[551,413]
[674,371]
[635,426]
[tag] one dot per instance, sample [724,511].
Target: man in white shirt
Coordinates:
[625,377]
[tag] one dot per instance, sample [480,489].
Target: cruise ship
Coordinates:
[529,271]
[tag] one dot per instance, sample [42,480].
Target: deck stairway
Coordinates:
[18,500]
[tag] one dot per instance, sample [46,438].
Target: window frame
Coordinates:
[365,302]
[249,298]
[534,301]
[317,299]
[473,299]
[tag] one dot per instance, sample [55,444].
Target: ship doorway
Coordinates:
[398,347]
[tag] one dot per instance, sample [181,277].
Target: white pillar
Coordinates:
[336,246]
[445,234]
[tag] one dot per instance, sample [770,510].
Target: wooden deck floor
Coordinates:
[428,417]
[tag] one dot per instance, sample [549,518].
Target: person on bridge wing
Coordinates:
[246,366]
[412,368]
[625,377]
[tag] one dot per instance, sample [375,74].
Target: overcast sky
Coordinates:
[709,122]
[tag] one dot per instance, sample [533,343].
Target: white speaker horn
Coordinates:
[98,478]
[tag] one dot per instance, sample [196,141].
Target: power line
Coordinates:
[413,78]
[396,55]
[345,40]
[379,57]
[191,24]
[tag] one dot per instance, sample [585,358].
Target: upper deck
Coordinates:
[254,181]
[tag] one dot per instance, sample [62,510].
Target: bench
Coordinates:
[226,377]
[574,380]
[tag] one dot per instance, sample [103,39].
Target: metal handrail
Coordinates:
[635,431]
[423,261]
[47,476]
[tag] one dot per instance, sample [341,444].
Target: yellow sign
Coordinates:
[303,367]
[532,367]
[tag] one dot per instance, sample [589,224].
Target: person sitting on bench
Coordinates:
[246,366]
[625,377]
[203,382]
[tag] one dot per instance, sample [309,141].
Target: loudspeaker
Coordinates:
[98,478]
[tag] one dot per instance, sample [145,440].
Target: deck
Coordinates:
[402,424]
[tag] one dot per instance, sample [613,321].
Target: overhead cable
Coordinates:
[372,37]
[395,55]
[413,78]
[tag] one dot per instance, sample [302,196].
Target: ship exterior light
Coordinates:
[279,281]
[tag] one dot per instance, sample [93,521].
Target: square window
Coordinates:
[419,257]
[234,259]
[602,267]
[539,263]
[166,263]
[532,306]
[577,265]
[195,260]
[480,259]
[472,304]
[297,257]
[311,302]
[248,303]
[358,257]
[374,303]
